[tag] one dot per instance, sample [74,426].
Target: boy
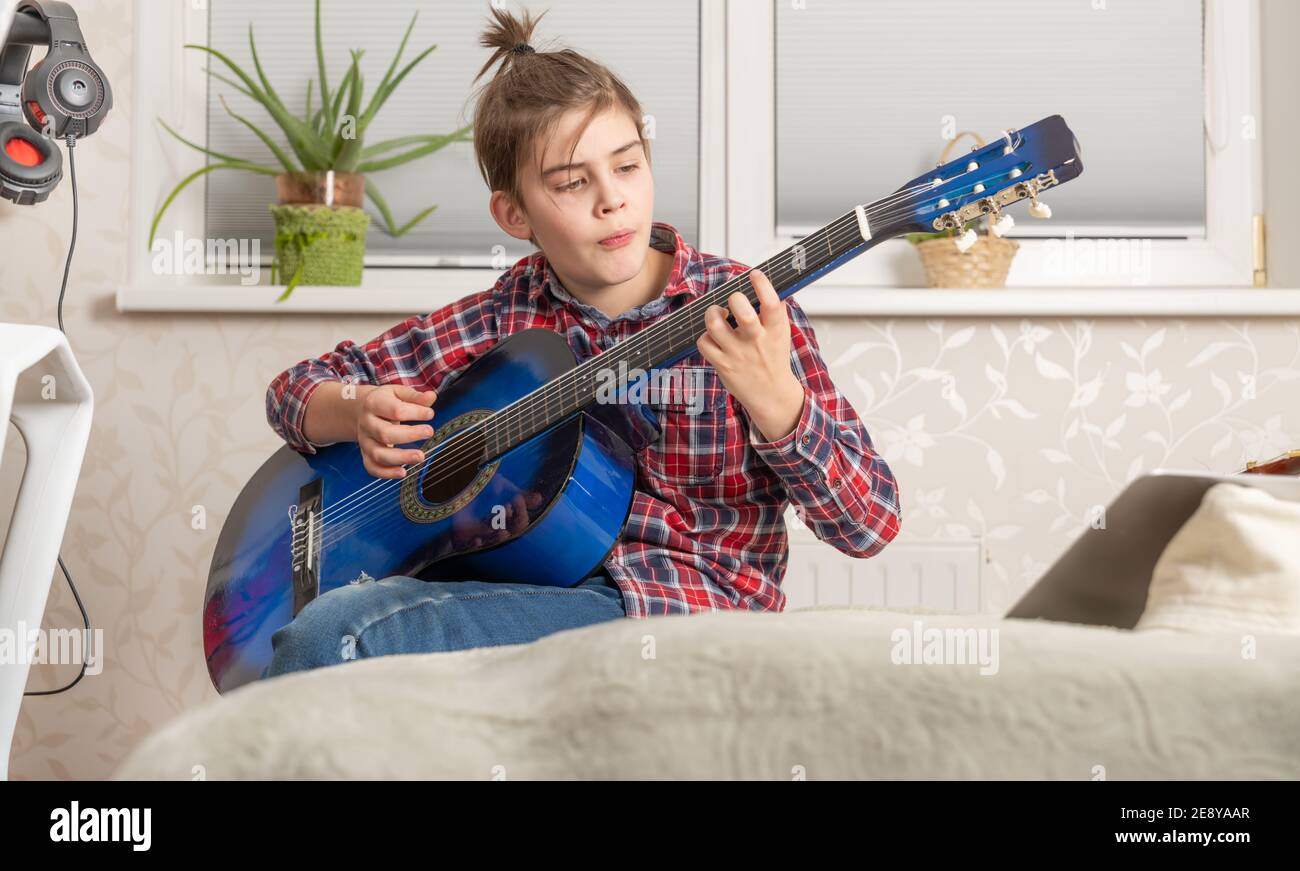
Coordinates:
[558,140]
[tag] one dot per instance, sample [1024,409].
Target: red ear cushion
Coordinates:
[27,158]
[22,152]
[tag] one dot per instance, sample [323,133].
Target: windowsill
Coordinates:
[406,298]
[382,291]
[1052,302]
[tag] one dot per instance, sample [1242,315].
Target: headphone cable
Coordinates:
[72,244]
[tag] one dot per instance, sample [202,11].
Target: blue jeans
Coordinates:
[400,614]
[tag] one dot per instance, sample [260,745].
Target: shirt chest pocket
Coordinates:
[691,405]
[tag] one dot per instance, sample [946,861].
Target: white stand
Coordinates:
[44,393]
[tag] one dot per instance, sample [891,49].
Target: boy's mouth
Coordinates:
[617,240]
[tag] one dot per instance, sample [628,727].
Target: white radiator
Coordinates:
[935,576]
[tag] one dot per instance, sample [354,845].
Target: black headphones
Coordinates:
[65,96]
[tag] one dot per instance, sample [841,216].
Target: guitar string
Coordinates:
[349,522]
[651,338]
[652,335]
[334,528]
[897,195]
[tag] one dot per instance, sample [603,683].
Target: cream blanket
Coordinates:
[820,694]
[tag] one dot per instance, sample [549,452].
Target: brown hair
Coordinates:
[529,94]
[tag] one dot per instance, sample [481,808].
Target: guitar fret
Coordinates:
[574,390]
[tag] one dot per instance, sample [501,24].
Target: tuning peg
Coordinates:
[1000,227]
[1039,209]
[965,241]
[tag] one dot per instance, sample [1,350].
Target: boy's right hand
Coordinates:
[379,427]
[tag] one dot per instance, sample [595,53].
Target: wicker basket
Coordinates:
[984,264]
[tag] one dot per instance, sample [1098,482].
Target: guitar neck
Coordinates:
[674,337]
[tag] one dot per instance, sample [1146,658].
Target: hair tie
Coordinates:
[522,48]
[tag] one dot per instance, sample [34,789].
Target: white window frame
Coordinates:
[1223,258]
[737,194]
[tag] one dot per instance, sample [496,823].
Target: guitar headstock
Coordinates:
[1019,165]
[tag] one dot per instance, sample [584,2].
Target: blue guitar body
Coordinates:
[575,482]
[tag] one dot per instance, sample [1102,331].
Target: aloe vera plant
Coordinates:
[330,138]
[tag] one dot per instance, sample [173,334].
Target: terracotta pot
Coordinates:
[328,188]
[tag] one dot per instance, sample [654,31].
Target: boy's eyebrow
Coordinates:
[619,150]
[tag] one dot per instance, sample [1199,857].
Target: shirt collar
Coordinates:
[682,279]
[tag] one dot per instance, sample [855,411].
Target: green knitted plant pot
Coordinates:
[319,244]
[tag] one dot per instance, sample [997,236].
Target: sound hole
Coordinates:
[453,467]
[452,476]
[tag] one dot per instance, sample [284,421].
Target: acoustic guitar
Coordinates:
[521,426]
[1285,464]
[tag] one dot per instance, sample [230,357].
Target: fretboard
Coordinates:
[674,336]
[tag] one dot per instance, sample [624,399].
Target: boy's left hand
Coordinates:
[753,358]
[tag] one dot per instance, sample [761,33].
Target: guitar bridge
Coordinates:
[305,549]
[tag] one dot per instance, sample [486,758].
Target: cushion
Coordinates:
[1234,566]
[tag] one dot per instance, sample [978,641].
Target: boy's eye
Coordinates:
[573,185]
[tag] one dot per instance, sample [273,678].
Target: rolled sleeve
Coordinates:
[287,398]
[803,452]
[421,352]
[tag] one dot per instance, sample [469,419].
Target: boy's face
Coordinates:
[606,187]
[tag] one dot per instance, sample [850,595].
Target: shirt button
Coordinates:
[805,438]
[836,482]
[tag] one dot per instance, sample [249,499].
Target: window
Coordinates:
[769,119]
[872,92]
[835,103]
[655,48]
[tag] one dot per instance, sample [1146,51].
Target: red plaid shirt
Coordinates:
[706,530]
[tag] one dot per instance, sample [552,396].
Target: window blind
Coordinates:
[867,90]
[653,47]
